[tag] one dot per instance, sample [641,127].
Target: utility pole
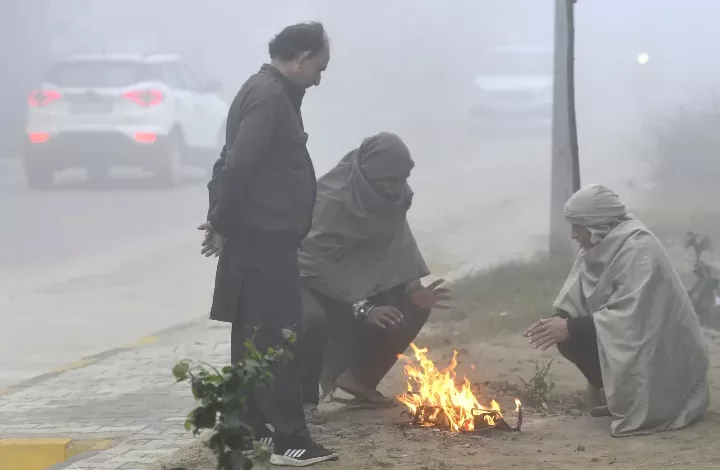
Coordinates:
[565,178]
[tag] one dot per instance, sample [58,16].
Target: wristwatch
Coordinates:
[361,309]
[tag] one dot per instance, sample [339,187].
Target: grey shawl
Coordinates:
[360,243]
[653,356]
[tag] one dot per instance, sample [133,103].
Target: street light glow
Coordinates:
[643,58]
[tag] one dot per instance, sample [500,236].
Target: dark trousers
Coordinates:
[268,302]
[581,349]
[333,342]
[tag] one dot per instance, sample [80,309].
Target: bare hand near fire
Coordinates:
[213,243]
[384,317]
[547,332]
[431,296]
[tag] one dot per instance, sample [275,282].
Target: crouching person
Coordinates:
[360,271]
[626,321]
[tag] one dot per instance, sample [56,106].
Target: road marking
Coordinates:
[148,340]
[74,365]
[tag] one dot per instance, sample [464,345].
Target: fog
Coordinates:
[107,264]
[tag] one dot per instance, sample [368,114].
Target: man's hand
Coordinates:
[384,317]
[547,332]
[213,243]
[431,296]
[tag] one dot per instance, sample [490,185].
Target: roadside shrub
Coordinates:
[222,396]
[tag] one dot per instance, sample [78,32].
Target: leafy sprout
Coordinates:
[222,395]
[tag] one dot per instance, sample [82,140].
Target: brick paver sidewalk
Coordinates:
[127,395]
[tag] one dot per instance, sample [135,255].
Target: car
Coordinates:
[99,111]
[513,89]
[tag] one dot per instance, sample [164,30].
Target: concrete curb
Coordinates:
[32,454]
[47,453]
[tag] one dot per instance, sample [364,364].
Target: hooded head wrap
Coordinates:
[596,208]
[360,243]
[384,155]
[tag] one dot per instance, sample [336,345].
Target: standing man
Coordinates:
[262,196]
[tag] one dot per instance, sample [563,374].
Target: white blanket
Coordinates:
[653,355]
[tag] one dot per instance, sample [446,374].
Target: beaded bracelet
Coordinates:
[361,309]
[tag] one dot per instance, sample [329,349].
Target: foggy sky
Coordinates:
[415,59]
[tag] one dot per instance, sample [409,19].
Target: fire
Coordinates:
[435,400]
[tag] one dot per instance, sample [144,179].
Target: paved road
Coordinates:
[47,236]
[85,269]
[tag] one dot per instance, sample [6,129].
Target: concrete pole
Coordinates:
[565,164]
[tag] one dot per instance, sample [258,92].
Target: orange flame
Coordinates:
[432,389]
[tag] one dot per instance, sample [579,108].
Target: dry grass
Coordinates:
[508,297]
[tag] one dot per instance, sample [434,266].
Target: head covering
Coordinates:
[384,155]
[596,208]
[360,243]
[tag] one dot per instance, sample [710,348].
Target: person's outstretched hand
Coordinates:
[213,243]
[547,332]
[431,296]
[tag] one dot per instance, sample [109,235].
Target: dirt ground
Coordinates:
[561,437]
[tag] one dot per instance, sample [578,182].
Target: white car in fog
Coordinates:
[102,111]
[513,89]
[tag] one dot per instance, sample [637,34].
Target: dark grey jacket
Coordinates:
[263,189]
[264,180]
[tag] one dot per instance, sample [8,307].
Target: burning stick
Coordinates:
[519,410]
[489,420]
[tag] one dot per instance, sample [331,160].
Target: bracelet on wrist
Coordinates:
[362,309]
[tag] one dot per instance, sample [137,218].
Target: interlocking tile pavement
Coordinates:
[128,395]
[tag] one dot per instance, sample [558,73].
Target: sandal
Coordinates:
[600,412]
[363,403]
[362,398]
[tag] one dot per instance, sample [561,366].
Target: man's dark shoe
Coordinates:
[263,435]
[300,453]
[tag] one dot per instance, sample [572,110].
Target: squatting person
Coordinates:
[360,271]
[626,321]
